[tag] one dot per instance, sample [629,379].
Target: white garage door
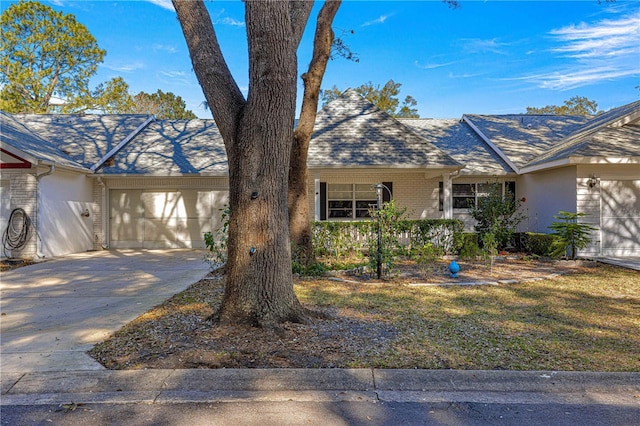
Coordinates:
[163,219]
[621,218]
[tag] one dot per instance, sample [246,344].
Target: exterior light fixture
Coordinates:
[592,181]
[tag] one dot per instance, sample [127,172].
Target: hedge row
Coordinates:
[340,238]
[447,236]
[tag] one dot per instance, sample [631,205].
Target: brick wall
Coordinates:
[23,194]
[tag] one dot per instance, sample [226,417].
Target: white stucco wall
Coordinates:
[63,198]
[546,194]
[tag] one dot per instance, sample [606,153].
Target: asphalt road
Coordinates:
[324,413]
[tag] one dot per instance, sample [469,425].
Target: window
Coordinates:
[464,195]
[350,201]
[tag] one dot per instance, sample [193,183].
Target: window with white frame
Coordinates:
[465,195]
[350,201]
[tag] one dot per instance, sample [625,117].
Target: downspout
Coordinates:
[103,207]
[52,168]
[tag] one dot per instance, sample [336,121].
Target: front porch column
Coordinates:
[447,205]
[316,190]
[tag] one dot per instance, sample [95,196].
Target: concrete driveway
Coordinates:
[55,311]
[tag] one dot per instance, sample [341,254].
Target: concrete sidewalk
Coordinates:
[629,262]
[55,311]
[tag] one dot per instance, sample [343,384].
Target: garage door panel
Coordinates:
[126,201]
[621,218]
[160,229]
[160,205]
[126,228]
[164,219]
[193,229]
[621,199]
[196,204]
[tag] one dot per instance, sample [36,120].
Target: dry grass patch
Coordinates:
[587,319]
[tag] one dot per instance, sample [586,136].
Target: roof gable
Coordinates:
[519,138]
[84,138]
[21,137]
[457,138]
[614,134]
[352,132]
[173,147]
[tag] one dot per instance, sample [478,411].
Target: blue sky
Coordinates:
[485,57]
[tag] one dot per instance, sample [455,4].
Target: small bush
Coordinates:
[535,243]
[312,270]
[218,242]
[497,215]
[470,249]
[572,235]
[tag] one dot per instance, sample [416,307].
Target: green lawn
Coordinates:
[583,321]
[587,320]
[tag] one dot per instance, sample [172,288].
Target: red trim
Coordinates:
[24,164]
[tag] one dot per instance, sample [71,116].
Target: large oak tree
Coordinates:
[258,133]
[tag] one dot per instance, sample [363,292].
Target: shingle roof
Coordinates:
[14,133]
[523,137]
[172,147]
[614,134]
[85,138]
[458,140]
[352,132]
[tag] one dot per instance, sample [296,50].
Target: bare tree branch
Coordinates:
[210,66]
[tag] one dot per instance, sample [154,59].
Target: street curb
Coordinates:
[320,385]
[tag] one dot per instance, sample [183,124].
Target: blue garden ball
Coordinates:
[454,268]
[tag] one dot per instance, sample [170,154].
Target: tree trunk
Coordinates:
[257,135]
[299,220]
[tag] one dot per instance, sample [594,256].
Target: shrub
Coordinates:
[469,248]
[340,238]
[218,242]
[535,243]
[497,215]
[384,243]
[571,234]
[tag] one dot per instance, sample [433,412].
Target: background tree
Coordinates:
[577,105]
[163,105]
[44,53]
[258,135]
[385,98]
[111,97]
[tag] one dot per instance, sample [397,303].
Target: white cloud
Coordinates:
[164,47]
[126,67]
[380,20]
[230,21]
[592,52]
[176,77]
[165,4]
[430,66]
[475,45]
